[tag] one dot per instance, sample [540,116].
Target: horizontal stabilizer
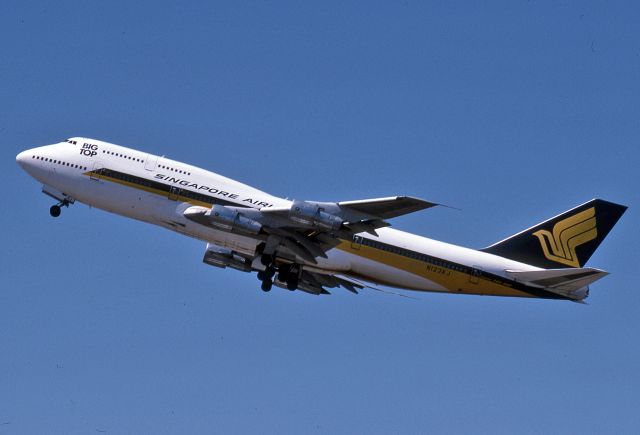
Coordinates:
[566,282]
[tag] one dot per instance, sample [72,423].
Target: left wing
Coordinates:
[316,283]
[310,280]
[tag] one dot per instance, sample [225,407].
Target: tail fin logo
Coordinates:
[560,246]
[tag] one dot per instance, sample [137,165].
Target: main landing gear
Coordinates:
[286,274]
[56,209]
[266,276]
[289,275]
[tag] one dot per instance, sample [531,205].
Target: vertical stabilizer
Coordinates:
[567,240]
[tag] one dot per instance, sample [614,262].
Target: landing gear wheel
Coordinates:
[292,283]
[55,210]
[266,285]
[284,273]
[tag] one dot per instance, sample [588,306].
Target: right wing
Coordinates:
[309,229]
[306,229]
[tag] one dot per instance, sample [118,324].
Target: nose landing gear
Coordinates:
[56,209]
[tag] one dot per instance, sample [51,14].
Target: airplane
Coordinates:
[314,246]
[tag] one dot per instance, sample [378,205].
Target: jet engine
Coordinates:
[222,257]
[313,215]
[228,219]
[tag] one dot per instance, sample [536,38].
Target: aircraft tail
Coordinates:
[567,240]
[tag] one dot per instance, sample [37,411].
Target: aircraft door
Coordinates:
[476,272]
[174,193]
[96,167]
[150,162]
[356,242]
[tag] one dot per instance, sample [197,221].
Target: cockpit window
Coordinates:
[73,142]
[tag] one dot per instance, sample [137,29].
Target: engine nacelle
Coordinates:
[308,213]
[228,219]
[222,257]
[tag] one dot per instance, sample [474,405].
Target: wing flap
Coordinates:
[316,278]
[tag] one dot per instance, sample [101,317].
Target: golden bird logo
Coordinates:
[560,246]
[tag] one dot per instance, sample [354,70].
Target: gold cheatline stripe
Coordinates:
[454,281]
[148,189]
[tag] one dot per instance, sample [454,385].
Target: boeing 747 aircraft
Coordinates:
[314,246]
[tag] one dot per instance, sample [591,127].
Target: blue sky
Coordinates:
[510,111]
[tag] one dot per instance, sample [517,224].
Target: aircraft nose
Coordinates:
[22,158]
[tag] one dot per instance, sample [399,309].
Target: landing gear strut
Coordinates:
[55,210]
[266,259]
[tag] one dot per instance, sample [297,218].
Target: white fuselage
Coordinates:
[158,190]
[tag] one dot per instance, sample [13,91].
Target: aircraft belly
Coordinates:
[356,262]
[148,207]
[113,198]
[336,260]
[235,242]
